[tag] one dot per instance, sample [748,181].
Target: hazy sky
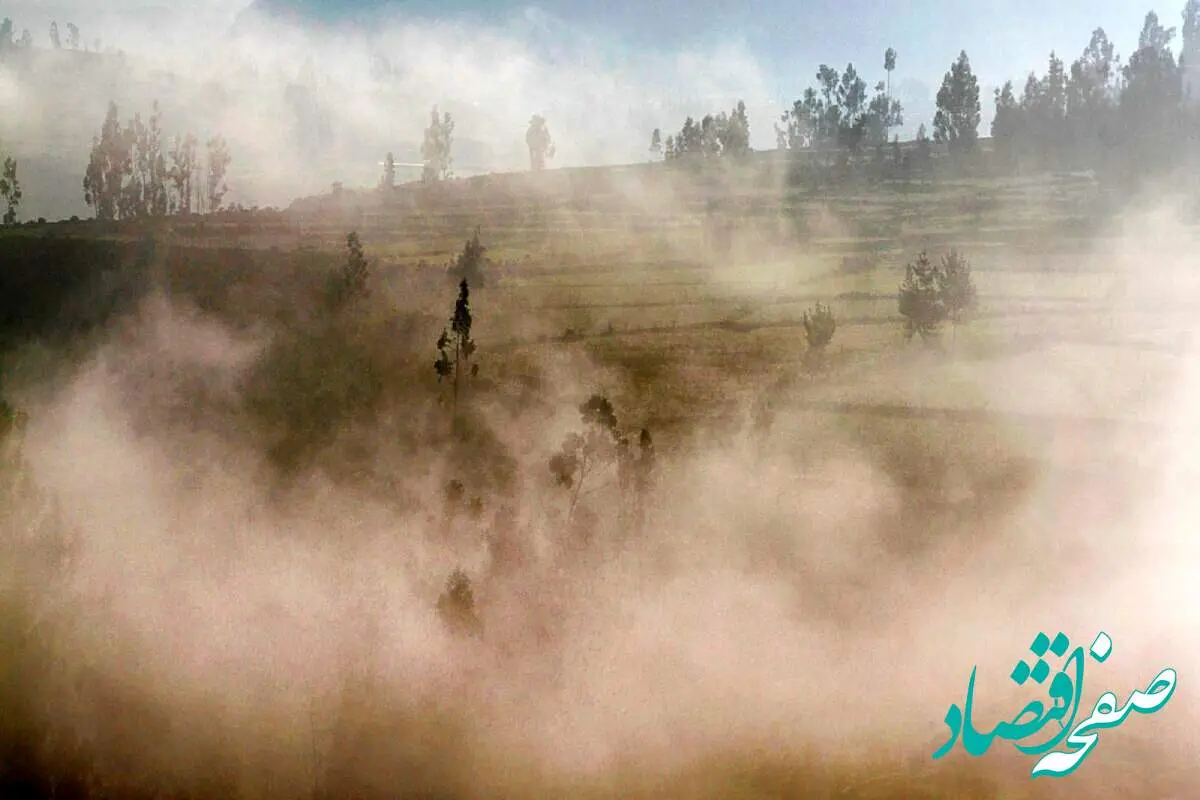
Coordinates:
[605,73]
[1004,38]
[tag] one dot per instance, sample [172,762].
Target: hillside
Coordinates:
[193,390]
[759,187]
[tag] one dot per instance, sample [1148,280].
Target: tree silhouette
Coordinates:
[581,454]
[956,287]
[889,64]
[819,326]
[724,134]
[351,283]
[1006,124]
[10,190]
[102,183]
[956,123]
[1151,108]
[435,150]
[882,114]
[468,265]
[182,174]
[540,143]
[153,163]
[455,347]
[921,301]
[127,175]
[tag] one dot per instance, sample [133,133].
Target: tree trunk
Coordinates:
[454,402]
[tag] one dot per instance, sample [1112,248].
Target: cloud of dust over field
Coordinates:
[790,596]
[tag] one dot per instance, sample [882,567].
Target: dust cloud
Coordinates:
[195,623]
[771,606]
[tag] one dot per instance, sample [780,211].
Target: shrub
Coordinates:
[921,301]
[819,326]
[957,286]
[456,605]
[351,283]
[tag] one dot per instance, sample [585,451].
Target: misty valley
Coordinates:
[374,427]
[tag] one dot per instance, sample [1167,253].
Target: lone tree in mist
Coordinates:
[540,143]
[922,298]
[889,65]
[468,265]
[893,112]
[455,348]
[582,454]
[350,283]
[656,143]
[456,605]
[957,288]
[10,190]
[435,150]
[819,327]
[388,181]
[956,123]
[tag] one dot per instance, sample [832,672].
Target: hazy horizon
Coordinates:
[603,77]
